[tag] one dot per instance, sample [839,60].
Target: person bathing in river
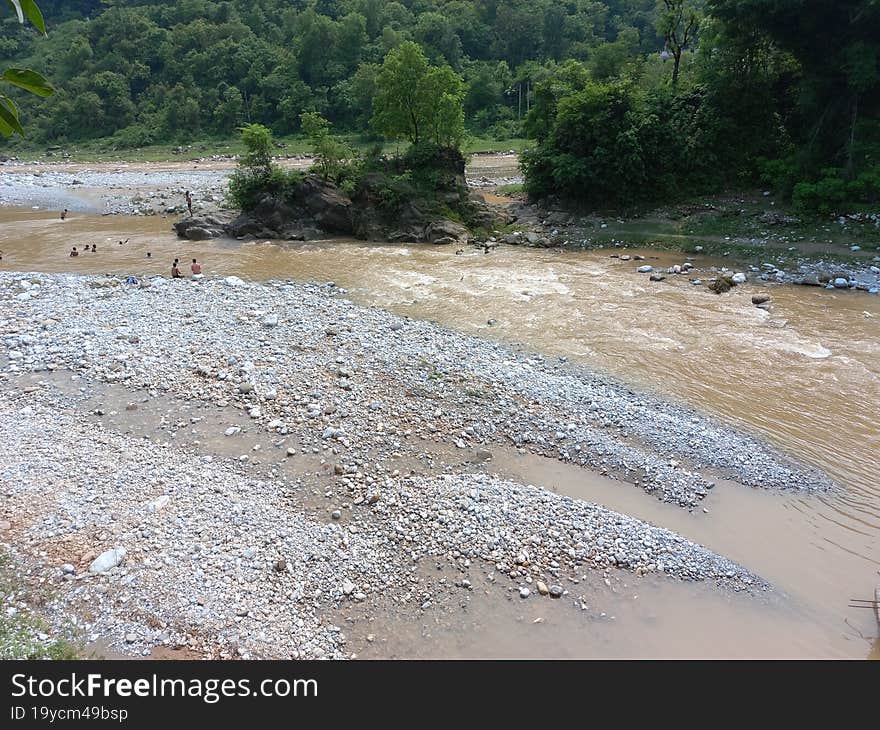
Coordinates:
[94,248]
[64,214]
[74,252]
[149,255]
[196,267]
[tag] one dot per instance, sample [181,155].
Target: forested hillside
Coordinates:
[184,68]
[627,99]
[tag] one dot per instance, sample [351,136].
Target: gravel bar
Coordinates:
[154,544]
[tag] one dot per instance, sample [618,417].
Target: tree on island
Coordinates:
[416,101]
[330,153]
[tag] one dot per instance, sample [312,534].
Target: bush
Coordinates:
[246,188]
[133,136]
[833,194]
[779,175]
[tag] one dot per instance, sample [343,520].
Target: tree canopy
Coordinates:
[715,92]
[416,101]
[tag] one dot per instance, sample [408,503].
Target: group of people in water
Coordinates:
[93,249]
[195,267]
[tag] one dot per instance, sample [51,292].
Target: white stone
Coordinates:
[158,504]
[107,560]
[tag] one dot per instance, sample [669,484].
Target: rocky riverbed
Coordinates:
[292,472]
[114,189]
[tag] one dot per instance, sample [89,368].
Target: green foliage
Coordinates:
[22,78]
[257,159]
[246,190]
[330,153]
[833,194]
[257,175]
[613,144]
[834,79]
[758,99]
[200,68]
[416,101]
[747,90]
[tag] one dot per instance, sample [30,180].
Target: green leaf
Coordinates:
[29,81]
[28,9]
[34,15]
[9,118]
[16,5]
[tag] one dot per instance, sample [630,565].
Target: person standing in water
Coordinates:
[196,267]
[64,214]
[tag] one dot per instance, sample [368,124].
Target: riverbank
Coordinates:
[754,233]
[322,449]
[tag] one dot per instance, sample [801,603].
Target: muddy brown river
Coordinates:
[805,376]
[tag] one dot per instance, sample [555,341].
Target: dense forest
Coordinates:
[626,99]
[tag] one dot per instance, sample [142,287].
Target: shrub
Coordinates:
[246,188]
[134,136]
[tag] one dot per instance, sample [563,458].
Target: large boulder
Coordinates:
[200,229]
[274,213]
[446,232]
[246,225]
[327,205]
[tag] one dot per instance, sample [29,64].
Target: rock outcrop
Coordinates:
[446,231]
[197,228]
[386,206]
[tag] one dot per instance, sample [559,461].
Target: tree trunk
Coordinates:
[677,62]
[850,162]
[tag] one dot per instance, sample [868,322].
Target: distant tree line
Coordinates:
[627,100]
[168,70]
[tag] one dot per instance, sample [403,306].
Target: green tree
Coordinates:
[837,48]
[677,22]
[256,174]
[21,77]
[329,153]
[417,101]
[257,159]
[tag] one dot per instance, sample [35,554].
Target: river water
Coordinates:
[805,376]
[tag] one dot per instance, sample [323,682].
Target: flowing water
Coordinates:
[806,376]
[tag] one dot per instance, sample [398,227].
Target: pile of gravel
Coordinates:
[149,545]
[298,358]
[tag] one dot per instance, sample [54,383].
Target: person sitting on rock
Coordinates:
[175,272]
[74,252]
[196,267]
